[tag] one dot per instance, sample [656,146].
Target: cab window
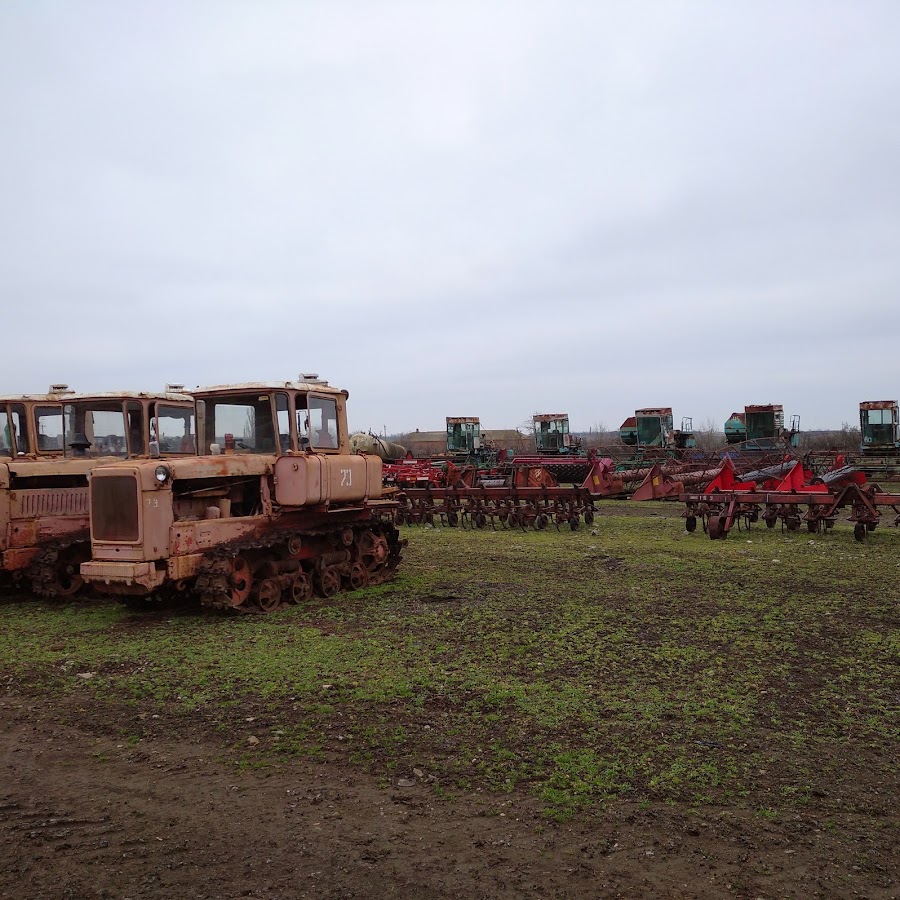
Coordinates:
[13,430]
[48,422]
[323,431]
[283,416]
[96,429]
[174,429]
[7,445]
[238,424]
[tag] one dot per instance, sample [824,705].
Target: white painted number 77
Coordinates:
[346,477]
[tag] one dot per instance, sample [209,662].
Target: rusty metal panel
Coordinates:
[16,559]
[123,575]
[878,404]
[226,464]
[180,567]
[347,479]
[38,468]
[192,537]
[299,480]
[23,533]
[49,502]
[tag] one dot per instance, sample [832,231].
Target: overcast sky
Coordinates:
[452,208]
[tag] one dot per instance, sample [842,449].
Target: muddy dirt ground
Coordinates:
[83,815]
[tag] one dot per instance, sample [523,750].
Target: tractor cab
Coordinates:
[64,425]
[879,425]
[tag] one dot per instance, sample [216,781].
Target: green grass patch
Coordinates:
[638,662]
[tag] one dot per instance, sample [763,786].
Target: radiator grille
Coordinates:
[114,508]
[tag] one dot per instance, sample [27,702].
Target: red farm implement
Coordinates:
[512,496]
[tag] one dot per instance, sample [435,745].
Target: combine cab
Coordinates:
[762,428]
[552,435]
[49,444]
[463,435]
[879,426]
[655,427]
[274,508]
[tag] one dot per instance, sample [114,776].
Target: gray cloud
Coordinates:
[457,208]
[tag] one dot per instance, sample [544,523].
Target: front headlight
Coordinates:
[162,474]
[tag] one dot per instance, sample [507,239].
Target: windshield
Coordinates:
[237,424]
[96,428]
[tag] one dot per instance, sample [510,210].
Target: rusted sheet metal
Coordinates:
[195,537]
[315,385]
[124,577]
[28,532]
[878,404]
[661,411]
[182,567]
[660,484]
[40,468]
[232,465]
[16,559]
[48,502]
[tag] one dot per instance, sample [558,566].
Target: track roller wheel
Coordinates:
[294,546]
[792,523]
[512,520]
[358,577]
[859,531]
[541,522]
[588,517]
[268,594]
[690,523]
[452,518]
[574,522]
[480,520]
[716,528]
[812,526]
[240,580]
[301,588]
[328,581]
[770,523]
[373,551]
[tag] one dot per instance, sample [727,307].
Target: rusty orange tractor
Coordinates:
[49,444]
[274,508]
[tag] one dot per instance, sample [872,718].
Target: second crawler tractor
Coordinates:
[274,509]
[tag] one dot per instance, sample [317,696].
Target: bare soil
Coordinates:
[85,814]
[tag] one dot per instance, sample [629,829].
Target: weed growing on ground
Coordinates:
[637,662]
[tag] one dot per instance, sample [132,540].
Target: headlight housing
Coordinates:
[162,474]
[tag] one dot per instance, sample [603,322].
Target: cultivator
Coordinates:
[506,507]
[720,510]
[514,496]
[790,494]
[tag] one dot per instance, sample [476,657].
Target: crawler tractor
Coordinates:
[49,444]
[274,509]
